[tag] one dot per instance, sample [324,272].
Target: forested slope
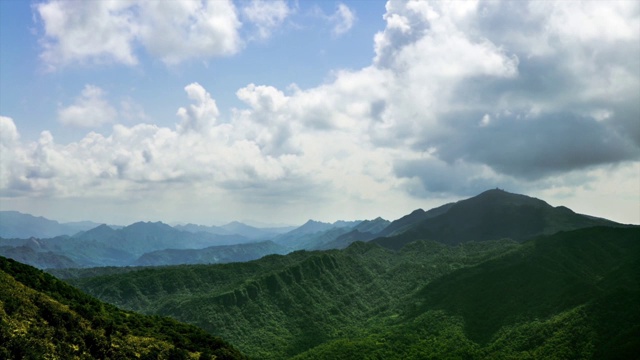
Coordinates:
[42,317]
[569,295]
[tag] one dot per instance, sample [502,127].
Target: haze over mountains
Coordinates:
[14,224]
[491,215]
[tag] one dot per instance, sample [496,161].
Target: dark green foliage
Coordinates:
[42,316]
[569,295]
[280,306]
[546,277]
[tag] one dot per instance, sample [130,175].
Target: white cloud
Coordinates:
[176,31]
[8,131]
[112,31]
[557,109]
[343,19]
[90,109]
[200,117]
[266,15]
[94,31]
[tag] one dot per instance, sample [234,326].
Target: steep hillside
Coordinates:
[42,317]
[279,306]
[494,214]
[569,295]
[40,259]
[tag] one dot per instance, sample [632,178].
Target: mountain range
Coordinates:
[14,224]
[491,215]
[568,295]
[156,243]
[499,275]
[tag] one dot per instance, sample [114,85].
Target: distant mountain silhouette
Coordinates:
[14,224]
[364,231]
[201,228]
[374,226]
[250,232]
[40,259]
[494,214]
[314,234]
[210,255]
[105,246]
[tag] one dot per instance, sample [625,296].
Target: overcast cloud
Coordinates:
[536,97]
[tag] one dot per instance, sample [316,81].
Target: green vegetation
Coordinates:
[569,295]
[44,318]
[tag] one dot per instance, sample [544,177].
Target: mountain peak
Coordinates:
[499,197]
[313,222]
[491,215]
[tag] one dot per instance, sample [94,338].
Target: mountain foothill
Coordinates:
[495,276]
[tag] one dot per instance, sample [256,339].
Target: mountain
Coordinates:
[144,237]
[248,231]
[374,226]
[201,228]
[14,224]
[314,234]
[105,246]
[210,255]
[42,317]
[407,221]
[311,227]
[494,214]
[40,259]
[569,295]
[343,240]
[364,231]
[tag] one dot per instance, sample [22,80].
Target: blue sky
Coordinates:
[31,93]
[280,111]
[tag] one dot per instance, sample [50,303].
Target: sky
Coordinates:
[275,112]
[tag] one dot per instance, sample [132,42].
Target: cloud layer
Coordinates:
[460,97]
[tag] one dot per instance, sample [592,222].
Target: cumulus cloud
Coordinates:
[460,97]
[201,116]
[528,102]
[90,109]
[8,131]
[176,31]
[111,31]
[266,15]
[79,31]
